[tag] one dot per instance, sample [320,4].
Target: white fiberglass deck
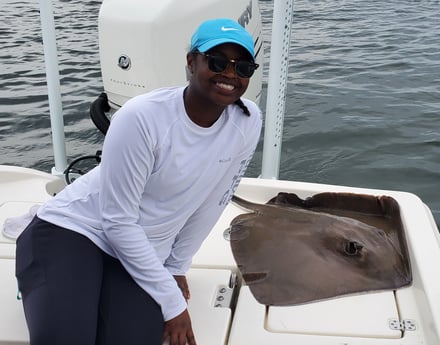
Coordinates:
[365,319]
[361,319]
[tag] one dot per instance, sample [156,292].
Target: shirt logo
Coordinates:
[228,29]
[225,160]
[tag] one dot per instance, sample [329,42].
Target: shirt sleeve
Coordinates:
[126,165]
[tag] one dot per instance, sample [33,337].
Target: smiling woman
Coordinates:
[213,90]
[220,61]
[130,218]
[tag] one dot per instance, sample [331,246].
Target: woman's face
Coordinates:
[223,88]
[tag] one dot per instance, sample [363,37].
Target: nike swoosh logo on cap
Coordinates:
[228,29]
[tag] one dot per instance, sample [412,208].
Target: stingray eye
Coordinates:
[352,248]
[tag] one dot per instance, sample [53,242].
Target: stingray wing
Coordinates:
[293,251]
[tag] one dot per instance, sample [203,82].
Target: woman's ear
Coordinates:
[190,57]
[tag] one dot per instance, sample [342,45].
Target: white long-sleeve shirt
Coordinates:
[162,184]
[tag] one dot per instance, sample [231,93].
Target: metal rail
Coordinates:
[53,86]
[276,92]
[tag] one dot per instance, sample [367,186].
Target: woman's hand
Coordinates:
[179,330]
[183,285]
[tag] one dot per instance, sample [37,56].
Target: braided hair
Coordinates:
[240,103]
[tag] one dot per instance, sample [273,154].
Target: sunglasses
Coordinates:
[219,63]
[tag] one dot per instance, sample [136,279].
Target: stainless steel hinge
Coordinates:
[225,293]
[223,298]
[404,325]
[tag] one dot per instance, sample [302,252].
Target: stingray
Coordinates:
[292,251]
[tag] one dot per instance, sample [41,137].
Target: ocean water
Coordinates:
[363,94]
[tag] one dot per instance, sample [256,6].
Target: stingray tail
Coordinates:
[243,203]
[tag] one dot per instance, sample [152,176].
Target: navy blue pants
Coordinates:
[75,294]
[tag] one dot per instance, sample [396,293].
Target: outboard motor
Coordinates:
[143,43]
[143,46]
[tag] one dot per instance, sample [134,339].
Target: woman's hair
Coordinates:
[240,103]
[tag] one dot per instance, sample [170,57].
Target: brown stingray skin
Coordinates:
[292,251]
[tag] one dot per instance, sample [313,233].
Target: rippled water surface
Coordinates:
[363,106]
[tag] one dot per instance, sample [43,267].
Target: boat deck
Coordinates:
[223,308]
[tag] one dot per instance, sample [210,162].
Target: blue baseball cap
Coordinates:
[214,32]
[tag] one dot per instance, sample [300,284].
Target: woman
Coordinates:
[104,261]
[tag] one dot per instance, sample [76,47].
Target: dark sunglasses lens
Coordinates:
[244,69]
[217,64]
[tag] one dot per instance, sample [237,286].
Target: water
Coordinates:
[363,106]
